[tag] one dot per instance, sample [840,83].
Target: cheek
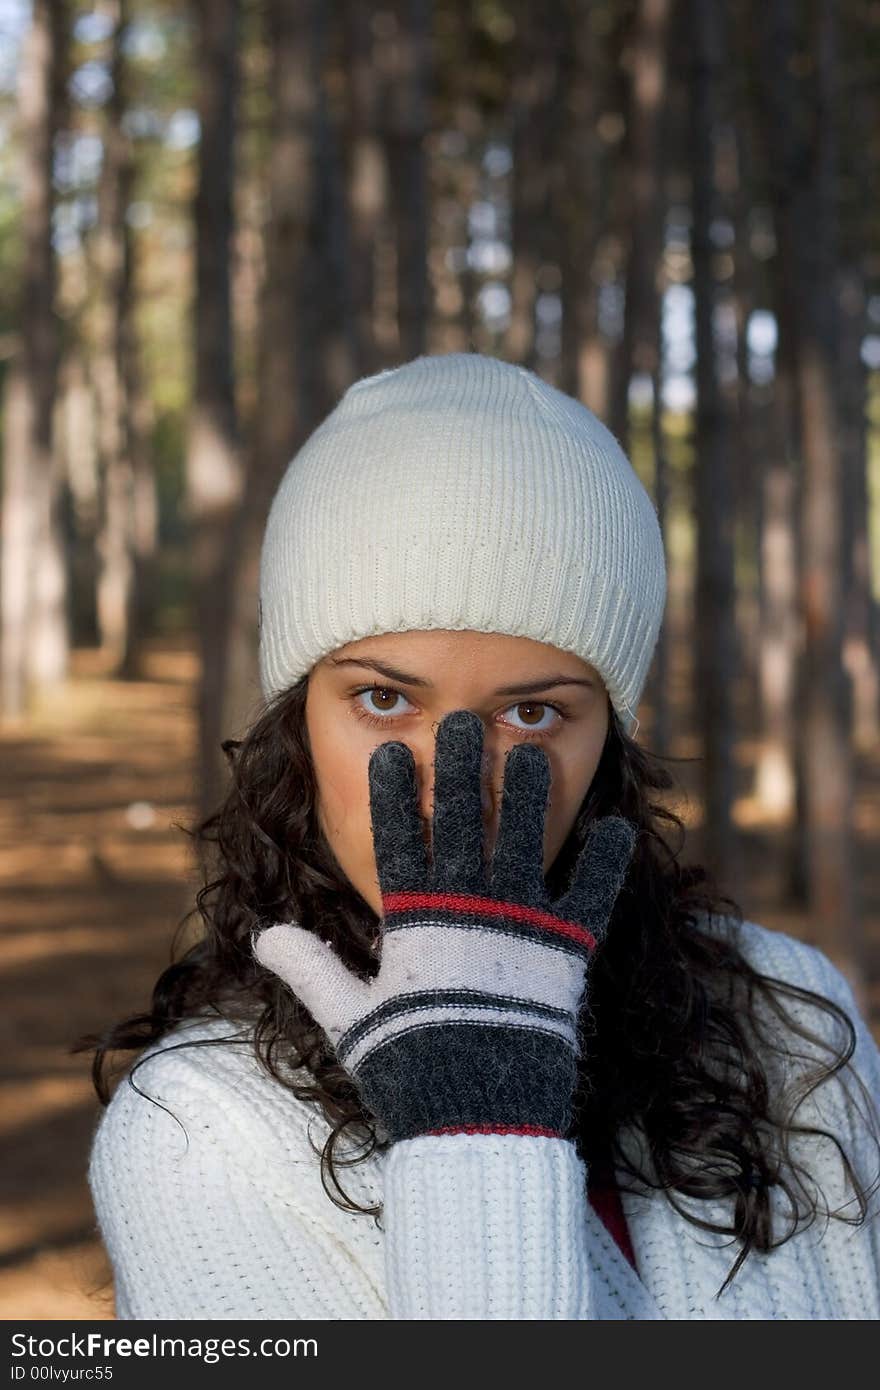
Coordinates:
[341,775]
[561,811]
[571,782]
[340,761]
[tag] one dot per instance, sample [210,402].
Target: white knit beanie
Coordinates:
[458,491]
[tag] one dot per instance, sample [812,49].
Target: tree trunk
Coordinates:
[115,540]
[403,93]
[332,302]
[213,467]
[144,543]
[36,640]
[857,112]
[741,396]
[78,448]
[367,178]
[860,658]
[584,371]
[639,350]
[775,773]
[824,687]
[714,576]
[778,782]
[804,191]
[647,98]
[459,179]
[18,521]
[536,130]
[145,502]
[290,341]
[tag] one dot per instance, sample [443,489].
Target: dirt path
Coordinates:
[93,880]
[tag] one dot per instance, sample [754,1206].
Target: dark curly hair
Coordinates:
[672,1039]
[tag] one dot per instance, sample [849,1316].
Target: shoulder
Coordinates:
[825,1080]
[201,1090]
[783,958]
[780,956]
[206,1179]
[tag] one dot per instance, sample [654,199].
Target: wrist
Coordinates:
[476,1078]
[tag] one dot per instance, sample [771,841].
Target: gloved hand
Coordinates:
[471,1021]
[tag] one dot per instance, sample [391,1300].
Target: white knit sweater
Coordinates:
[230,1220]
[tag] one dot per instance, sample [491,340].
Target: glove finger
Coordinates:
[312,970]
[518,861]
[598,875]
[398,844]
[457,827]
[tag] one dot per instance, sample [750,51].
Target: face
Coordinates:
[399,685]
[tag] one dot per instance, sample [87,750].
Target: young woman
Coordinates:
[448,949]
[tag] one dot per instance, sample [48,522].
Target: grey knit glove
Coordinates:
[471,1021]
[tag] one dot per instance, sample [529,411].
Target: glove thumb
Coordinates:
[312,970]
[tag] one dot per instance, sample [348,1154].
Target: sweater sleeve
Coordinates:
[486,1226]
[221,1215]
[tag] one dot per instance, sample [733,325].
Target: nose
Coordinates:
[487,800]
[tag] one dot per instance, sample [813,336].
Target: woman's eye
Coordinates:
[380,710]
[378,704]
[545,723]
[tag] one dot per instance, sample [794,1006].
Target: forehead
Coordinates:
[443,648]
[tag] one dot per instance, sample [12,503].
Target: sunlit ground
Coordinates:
[94,880]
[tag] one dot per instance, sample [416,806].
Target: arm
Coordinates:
[486,1226]
[232,1224]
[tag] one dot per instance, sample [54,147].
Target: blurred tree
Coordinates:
[35,637]
[367,177]
[289,333]
[126,536]
[824,701]
[465,61]
[639,351]
[713,582]
[536,117]
[771,440]
[214,474]
[588,75]
[403,71]
[643,154]
[799,122]
[855,115]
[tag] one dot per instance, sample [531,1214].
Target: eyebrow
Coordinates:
[528,688]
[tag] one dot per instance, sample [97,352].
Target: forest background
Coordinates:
[214,216]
